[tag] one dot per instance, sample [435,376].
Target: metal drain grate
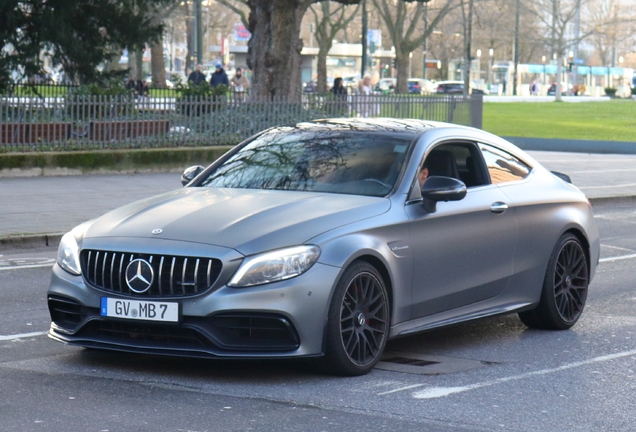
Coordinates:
[425,364]
[410,361]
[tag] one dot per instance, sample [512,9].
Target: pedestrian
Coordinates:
[197,76]
[219,77]
[365,101]
[576,89]
[582,89]
[534,88]
[340,93]
[239,84]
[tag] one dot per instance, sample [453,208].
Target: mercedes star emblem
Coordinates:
[139,275]
[157,231]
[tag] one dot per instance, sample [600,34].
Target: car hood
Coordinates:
[247,220]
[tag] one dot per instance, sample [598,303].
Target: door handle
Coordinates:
[498,207]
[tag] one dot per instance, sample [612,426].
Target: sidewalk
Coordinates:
[31,208]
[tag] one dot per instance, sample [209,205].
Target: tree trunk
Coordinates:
[274,48]
[322,67]
[402,72]
[132,63]
[157,65]
[189,67]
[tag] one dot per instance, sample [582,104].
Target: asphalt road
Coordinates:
[493,374]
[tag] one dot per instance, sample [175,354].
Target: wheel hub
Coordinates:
[568,281]
[361,319]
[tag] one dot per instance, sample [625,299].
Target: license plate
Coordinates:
[140,310]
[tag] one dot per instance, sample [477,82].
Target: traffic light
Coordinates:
[394,63]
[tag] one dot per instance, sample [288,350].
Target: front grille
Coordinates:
[174,276]
[145,334]
[233,332]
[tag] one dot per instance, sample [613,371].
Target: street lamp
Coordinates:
[543,61]
[491,55]
[478,64]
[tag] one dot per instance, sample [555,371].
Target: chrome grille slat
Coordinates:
[183,275]
[172,277]
[160,275]
[194,275]
[104,268]
[96,261]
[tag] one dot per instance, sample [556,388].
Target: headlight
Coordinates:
[275,266]
[68,254]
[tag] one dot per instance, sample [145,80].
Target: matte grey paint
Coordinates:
[461,262]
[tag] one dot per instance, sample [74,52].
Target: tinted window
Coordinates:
[349,163]
[502,166]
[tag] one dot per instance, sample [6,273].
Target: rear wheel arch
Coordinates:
[583,239]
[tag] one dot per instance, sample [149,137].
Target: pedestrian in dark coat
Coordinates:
[219,77]
[197,77]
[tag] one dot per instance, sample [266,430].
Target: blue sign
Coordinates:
[616,71]
[599,70]
[583,70]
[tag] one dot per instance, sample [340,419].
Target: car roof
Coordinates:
[388,125]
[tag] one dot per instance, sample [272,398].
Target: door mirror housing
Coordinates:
[190,173]
[437,188]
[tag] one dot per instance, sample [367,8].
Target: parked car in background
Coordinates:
[325,239]
[310,87]
[455,87]
[386,85]
[421,86]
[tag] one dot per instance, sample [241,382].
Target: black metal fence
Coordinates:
[96,122]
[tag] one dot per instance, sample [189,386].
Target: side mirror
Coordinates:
[437,189]
[190,173]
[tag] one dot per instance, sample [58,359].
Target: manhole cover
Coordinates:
[425,364]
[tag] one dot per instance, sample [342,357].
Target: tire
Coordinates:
[357,324]
[564,287]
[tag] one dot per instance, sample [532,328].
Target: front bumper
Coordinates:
[282,319]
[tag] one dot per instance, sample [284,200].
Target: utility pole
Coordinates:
[365,32]
[516,48]
[577,31]
[425,35]
[198,31]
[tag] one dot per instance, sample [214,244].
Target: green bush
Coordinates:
[610,91]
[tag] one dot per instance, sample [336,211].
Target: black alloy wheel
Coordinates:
[363,319]
[570,281]
[564,287]
[358,322]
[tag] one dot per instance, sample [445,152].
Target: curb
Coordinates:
[106,161]
[34,241]
[31,241]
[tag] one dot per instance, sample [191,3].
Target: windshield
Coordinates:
[347,163]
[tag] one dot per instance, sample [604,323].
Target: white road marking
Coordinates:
[616,247]
[437,392]
[618,258]
[400,389]
[20,336]
[605,187]
[602,171]
[27,266]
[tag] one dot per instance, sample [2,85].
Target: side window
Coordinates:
[459,160]
[502,166]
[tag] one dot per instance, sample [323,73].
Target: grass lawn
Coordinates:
[607,121]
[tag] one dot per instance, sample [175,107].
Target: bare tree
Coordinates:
[557,17]
[328,21]
[404,22]
[612,25]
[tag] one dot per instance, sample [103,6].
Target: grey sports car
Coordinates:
[326,239]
